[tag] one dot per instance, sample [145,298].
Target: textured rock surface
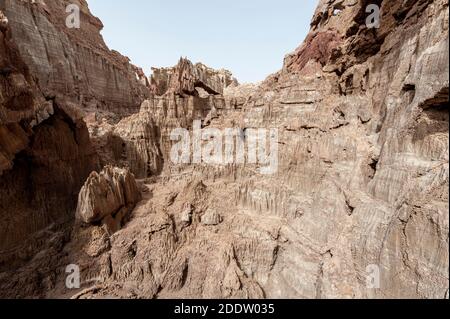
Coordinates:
[363,123]
[50,75]
[142,141]
[362,178]
[106,193]
[132,143]
[109,195]
[75,63]
[45,156]
[186,78]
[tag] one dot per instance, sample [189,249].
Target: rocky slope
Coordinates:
[362,179]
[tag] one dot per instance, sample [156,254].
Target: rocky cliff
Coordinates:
[181,94]
[45,157]
[187,78]
[361,186]
[52,76]
[74,62]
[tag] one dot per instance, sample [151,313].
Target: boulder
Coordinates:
[111,192]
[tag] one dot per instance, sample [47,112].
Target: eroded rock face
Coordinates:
[142,141]
[362,180]
[19,99]
[186,78]
[45,156]
[132,143]
[317,47]
[74,62]
[140,144]
[111,193]
[49,76]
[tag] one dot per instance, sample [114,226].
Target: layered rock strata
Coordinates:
[108,197]
[358,206]
[187,78]
[362,182]
[74,62]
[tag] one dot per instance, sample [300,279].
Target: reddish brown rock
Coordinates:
[45,156]
[186,78]
[361,185]
[317,47]
[112,192]
[75,63]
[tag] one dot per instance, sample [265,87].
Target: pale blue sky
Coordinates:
[248,37]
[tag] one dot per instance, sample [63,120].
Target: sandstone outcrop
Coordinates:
[359,172]
[361,186]
[45,156]
[74,62]
[187,78]
[109,195]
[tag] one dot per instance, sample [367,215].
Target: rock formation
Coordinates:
[132,143]
[109,197]
[45,157]
[186,78]
[74,62]
[182,94]
[361,185]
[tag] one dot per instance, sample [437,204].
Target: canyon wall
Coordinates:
[361,186]
[45,157]
[74,62]
[181,94]
[362,181]
[51,77]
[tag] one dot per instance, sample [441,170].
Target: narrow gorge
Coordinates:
[87,176]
